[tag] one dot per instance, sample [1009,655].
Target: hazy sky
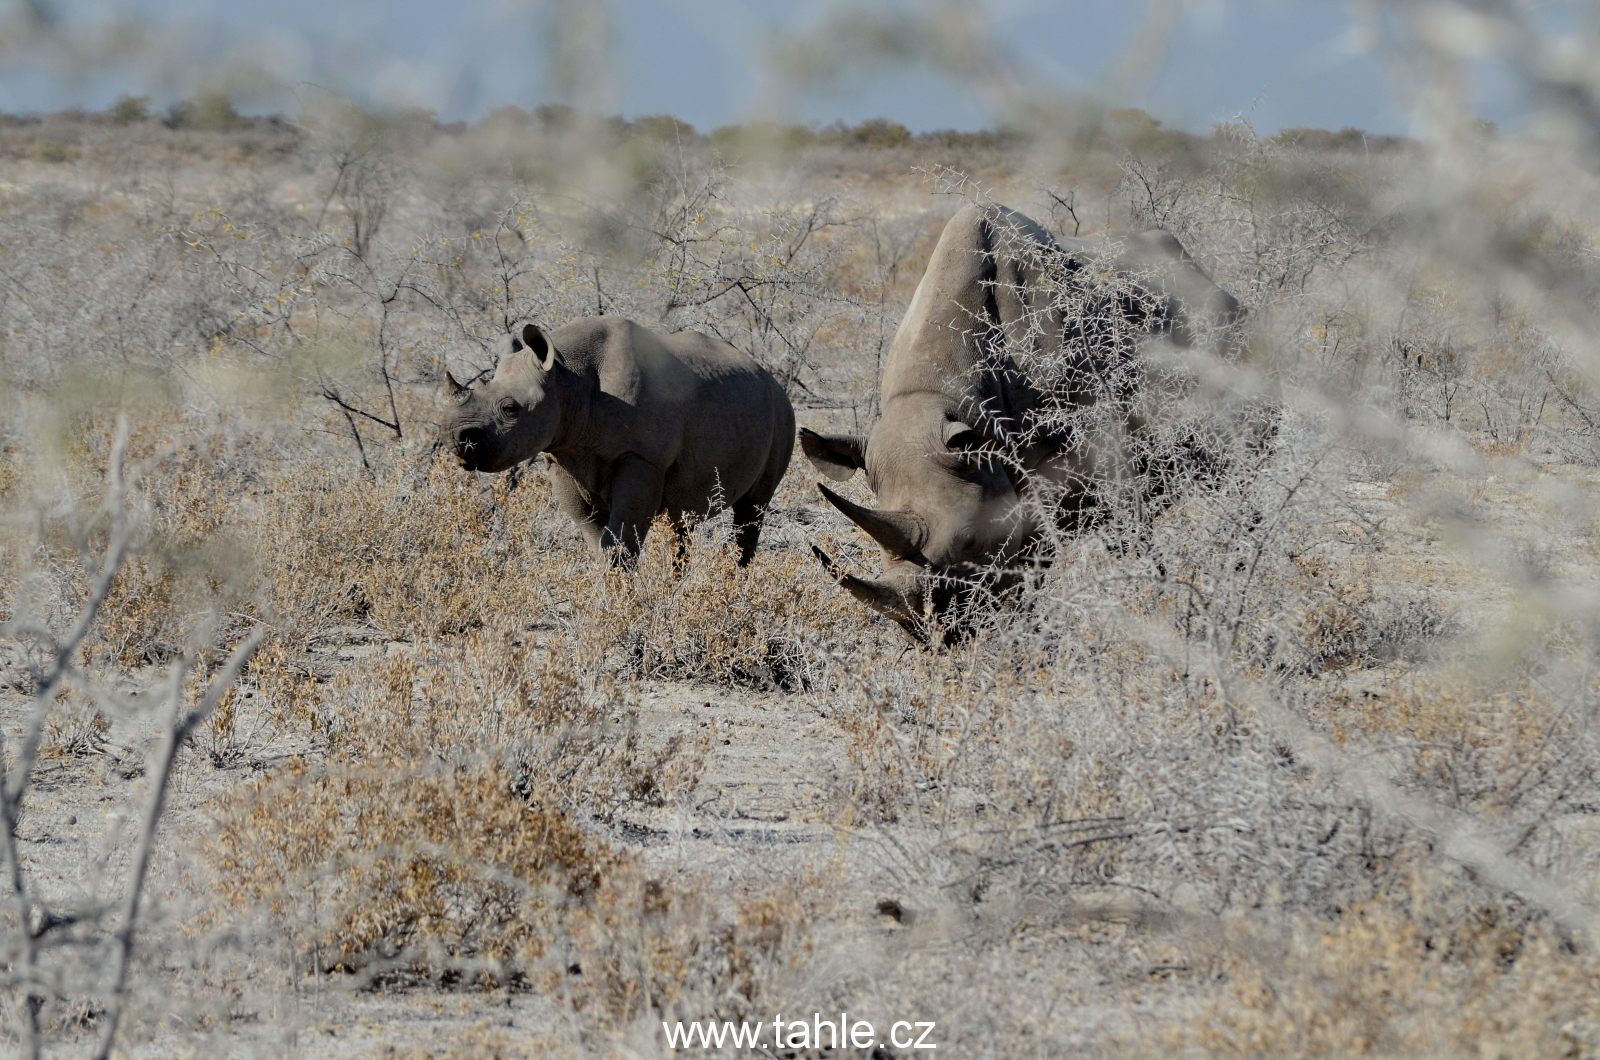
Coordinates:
[1283,63]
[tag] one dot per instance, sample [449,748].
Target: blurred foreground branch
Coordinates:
[78,937]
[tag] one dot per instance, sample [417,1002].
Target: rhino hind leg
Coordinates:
[747,516]
[751,509]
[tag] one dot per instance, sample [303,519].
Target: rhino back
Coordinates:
[977,305]
[741,422]
[698,408]
[931,350]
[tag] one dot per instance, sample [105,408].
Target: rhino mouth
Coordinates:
[933,605]
[927,598]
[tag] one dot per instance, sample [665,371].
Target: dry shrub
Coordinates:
[1422,977]
[1515,753]
[702,617]
[414,559]
[1333,628]
[186,573]
[994,753]
[566,736]
[653,950]
[439,837]
[384,867]
[1343,615]
[76,728]
[441,814]
[276,695]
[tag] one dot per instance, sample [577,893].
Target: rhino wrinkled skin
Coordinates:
[637,424]
[951,515]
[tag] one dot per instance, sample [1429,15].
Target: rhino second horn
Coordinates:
[882,598]
[826,561]
[887,601]
[901,534]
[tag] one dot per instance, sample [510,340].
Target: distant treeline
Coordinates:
[1130,127]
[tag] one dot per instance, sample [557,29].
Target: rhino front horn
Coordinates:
[901,534]
[453,388]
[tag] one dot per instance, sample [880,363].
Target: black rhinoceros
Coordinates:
[958,445]
[637,423]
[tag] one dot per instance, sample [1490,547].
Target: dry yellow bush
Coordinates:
[1504,750]
[1387,979]
[384,867]
[436,830]
[412,562]
[703,617]
[76,728]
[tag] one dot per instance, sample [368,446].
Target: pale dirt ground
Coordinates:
[760,807]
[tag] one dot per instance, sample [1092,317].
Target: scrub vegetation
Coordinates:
[317,744]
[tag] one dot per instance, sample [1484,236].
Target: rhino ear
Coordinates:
[958,435]
[535,339]
[838,456]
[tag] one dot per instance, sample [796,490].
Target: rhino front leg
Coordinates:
[636,488]
[574,502]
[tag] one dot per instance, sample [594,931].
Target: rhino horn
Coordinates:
[880,596]
[826,561]
[901,534]
[887,601]
[453,388]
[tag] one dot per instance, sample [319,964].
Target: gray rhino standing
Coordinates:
[637,423]
[957,447]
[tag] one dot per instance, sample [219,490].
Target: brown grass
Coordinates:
[1387,979]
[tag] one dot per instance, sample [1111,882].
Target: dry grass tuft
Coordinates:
[1391,979]
[705,618]
[410,557]
[382,869]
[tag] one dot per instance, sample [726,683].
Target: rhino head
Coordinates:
[952,523]
[511,418]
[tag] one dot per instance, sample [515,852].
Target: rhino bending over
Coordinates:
[960,444]
[637,423]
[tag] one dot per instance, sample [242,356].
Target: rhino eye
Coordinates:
[957,463]
[508,407]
